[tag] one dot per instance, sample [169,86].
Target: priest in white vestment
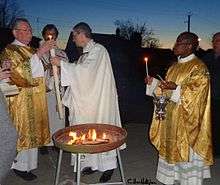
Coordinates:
[91,95]
[183,139]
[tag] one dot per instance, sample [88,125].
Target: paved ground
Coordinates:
[139,161]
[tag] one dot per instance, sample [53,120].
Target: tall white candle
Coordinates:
[146,60]
[56,82]
[52,51]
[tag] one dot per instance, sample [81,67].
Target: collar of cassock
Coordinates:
[88,46]
[186,59]
[16,42]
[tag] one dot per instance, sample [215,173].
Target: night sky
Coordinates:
[166,17]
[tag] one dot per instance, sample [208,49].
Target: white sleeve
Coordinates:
[151,88]
[36,66]
[175,97]
[50,82]
[67,70]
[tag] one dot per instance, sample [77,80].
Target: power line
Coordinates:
[208,21]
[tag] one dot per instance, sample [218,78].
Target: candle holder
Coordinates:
[160,103]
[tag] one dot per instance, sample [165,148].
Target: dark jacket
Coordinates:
[8,138]
[213,65]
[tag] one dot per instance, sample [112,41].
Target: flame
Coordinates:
[73,134]
[91,135]
[104,135]
[146,59]
[74,138]
[83,137]
[50,37]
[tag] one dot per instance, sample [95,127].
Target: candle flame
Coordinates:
[146,59]
[50,37]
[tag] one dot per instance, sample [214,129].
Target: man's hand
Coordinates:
[46,47]
[6,64]
[55,61]
[167,85]
[148,80]
[4,74]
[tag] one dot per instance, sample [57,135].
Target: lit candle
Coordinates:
[52,51]
[50,37]
[146,60]
[56,82]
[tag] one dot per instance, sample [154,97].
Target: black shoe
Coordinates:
[43,150]
[27,176]
[106,176]
[88,171]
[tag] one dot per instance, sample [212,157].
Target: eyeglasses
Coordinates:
[181,43]
[24,30]
[74,34]
[215,40]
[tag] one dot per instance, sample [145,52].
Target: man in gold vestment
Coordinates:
[28,109]
[183,138]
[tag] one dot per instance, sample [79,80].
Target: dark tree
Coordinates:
[117,32]
[131,31]
[9,11]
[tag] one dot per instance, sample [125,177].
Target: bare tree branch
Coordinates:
[129,30]
[9,11]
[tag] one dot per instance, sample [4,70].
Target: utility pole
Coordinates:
[189,21]
[38,32]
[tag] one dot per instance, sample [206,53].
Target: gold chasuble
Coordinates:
[187,123]
[28,109]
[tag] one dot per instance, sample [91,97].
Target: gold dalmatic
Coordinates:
[28,109]
[187,123]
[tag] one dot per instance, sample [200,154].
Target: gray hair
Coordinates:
[18,21]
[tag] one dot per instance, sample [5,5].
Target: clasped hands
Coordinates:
[4,74]
[46,47]
[5,70]
[164,85]
[55,61]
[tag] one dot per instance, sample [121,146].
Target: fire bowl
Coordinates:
[116,137]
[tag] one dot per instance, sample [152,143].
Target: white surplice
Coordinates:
[92,97]
[185,173]
[26,160]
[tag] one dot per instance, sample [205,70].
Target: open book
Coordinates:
[7,89]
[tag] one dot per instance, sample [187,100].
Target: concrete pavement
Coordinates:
[139,161]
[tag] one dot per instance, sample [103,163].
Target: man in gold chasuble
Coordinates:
[183,138]
[28,109]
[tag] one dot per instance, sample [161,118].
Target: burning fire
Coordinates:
[50,37]
[88,138]
[146,59]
